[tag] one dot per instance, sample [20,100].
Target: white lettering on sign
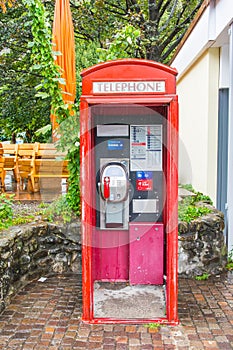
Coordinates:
[114,87]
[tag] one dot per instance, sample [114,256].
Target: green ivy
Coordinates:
[43,58]
[188,209]
[229,264]
[6,212]
[154,325]
[70,137]
[124,44]
[203,277]
[58,210]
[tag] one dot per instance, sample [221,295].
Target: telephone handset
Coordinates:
[106,187]
[114,182]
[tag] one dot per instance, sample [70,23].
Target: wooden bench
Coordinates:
[9,148]
[46,162]
[2,171]
[10,152]
[49,151]
[47,168]
[31,161]
[26,153]
[2,174]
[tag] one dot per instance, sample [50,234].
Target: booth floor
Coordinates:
[123,301]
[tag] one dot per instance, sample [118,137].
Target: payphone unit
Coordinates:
[113,187]
[129,187]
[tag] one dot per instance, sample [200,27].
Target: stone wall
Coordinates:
[201,245]
[28,252]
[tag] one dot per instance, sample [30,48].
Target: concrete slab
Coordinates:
[122,301]
[184,193]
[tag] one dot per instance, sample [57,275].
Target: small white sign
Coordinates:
[112,130]
[116,87]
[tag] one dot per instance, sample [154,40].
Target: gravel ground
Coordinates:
[26,208]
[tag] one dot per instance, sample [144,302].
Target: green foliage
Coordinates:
[161,24]
[73,195]
[6,212]
[70,140]
[229,264]
[43,205]
[187,187]
[59,210]
[203,277]
[20,110]
[200,197]
[10,218]
[20,220]
[188,209]
[191,212]
[124,44]
[154,325]
[42,57]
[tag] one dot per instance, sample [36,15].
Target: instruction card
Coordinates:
[146,147]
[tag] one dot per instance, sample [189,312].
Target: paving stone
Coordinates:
[48,316]
[122,339]
[134,342]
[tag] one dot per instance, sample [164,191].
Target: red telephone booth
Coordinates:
[129,187]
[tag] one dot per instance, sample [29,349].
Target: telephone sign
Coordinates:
[144,181]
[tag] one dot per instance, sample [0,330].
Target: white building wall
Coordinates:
[224,69]
[230,147]
[196,44]
[212,117]
[224,13]
[198,124]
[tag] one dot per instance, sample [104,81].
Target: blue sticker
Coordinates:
[115,145]
[144,175]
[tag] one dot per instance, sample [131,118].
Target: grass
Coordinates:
[58,210]
[202,277]
[189,208]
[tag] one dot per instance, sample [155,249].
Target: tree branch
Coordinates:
[170,15]
[172,47]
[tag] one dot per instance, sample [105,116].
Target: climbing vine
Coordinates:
[42,57]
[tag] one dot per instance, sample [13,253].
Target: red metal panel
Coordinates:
[132,62]
[86,194]
[127,70]
[171,216]
[110,255]
[146,253]
[138,100]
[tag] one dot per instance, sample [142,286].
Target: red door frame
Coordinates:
[170,217]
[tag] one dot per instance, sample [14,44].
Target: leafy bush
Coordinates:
[70,141]
[6,212]
[229,264]
[203,277]
[59,210]
[188,209]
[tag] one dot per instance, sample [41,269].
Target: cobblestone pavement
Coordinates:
[46,315]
